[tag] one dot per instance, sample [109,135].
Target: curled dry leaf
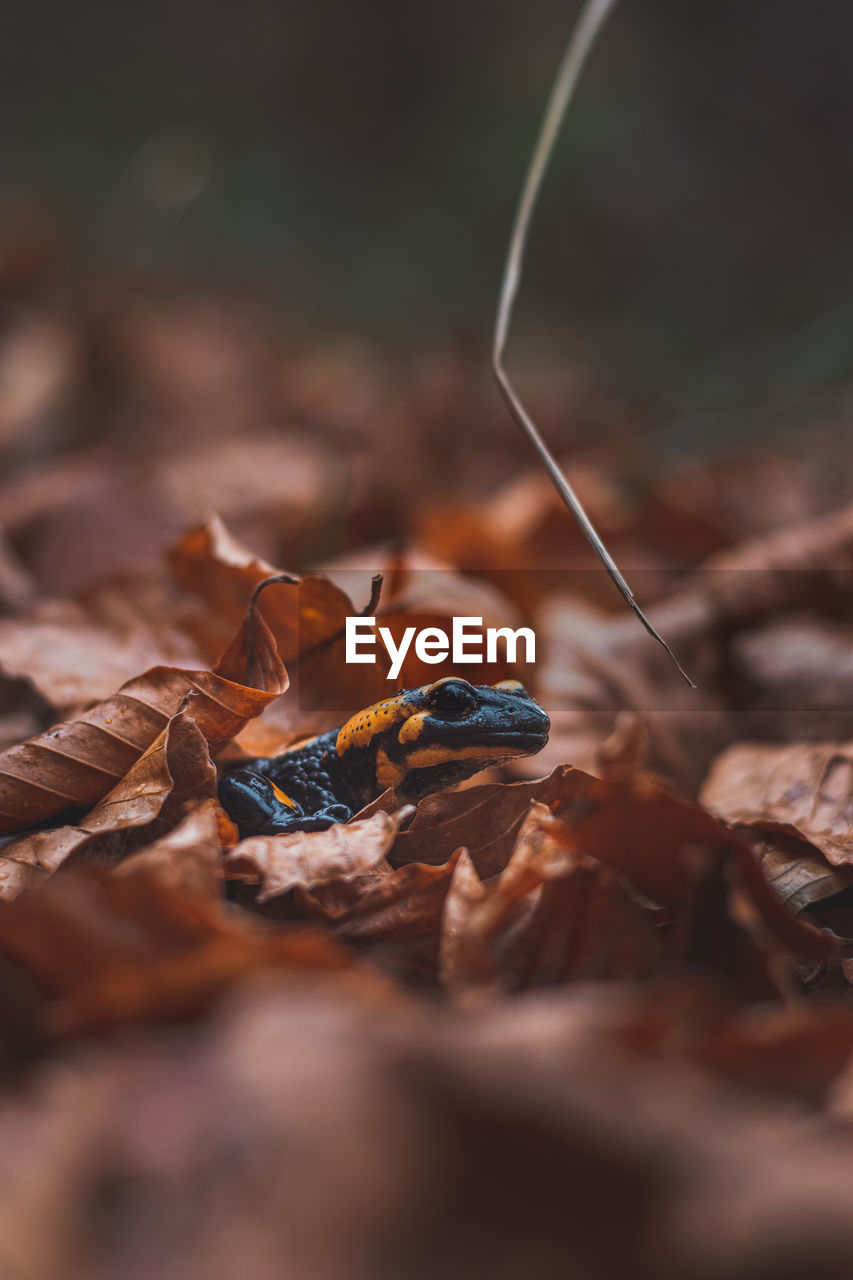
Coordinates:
[636,826]
[553,915]
[797,873]
[188,858]
[307,618]
[301,614]
[394,917]
[804,790]
[175,770]
[307,859]
[73,765]
[485,820]
[214,565]
[464,958]
[381,906]
[656,839]
[105,950]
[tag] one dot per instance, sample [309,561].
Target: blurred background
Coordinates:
[357,167]
[249,261]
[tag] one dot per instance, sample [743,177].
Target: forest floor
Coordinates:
[588,1015]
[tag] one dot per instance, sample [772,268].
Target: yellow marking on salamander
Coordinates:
[388,773]
[361,729]
[412,727]
[282,798]
[440,753]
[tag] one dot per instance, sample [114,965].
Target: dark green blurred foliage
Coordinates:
[361,163]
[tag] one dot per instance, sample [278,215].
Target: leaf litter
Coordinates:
[587,1014]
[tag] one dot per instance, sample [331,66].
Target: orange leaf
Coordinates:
[106,950]
[307,859]
[175,769]
[75,764]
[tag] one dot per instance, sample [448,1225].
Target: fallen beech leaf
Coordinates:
[174,770]
[394,917]
[213,564]
[464,959]
[520,539]
[301,614]
[74,764]
[652,837]
[308,620]
[189,858]
[79,651]
[552,916]
[485,820]
[637,826]
[584,927]
[106,950]
[802,789]
[380,906]
[797,873]
[306,859]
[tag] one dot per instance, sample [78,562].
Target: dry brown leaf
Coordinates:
[308,619]
[657,840]
[308,859]
[636,826]
[73,765]
[802,789]
[552,916]
[105,950]
[175,770]
[520,540]
[301,614]
[797,873]
[381,906]
[465,963]
[394,917]
[80,651]
[485,820]
[189,858]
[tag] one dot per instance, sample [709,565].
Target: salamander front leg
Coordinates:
[260,808]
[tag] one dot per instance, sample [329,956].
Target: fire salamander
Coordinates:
[417,742]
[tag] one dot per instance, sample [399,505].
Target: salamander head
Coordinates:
[426,739]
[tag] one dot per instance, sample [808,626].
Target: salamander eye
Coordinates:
[453,699]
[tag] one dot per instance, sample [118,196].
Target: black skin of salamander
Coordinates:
[326,787]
